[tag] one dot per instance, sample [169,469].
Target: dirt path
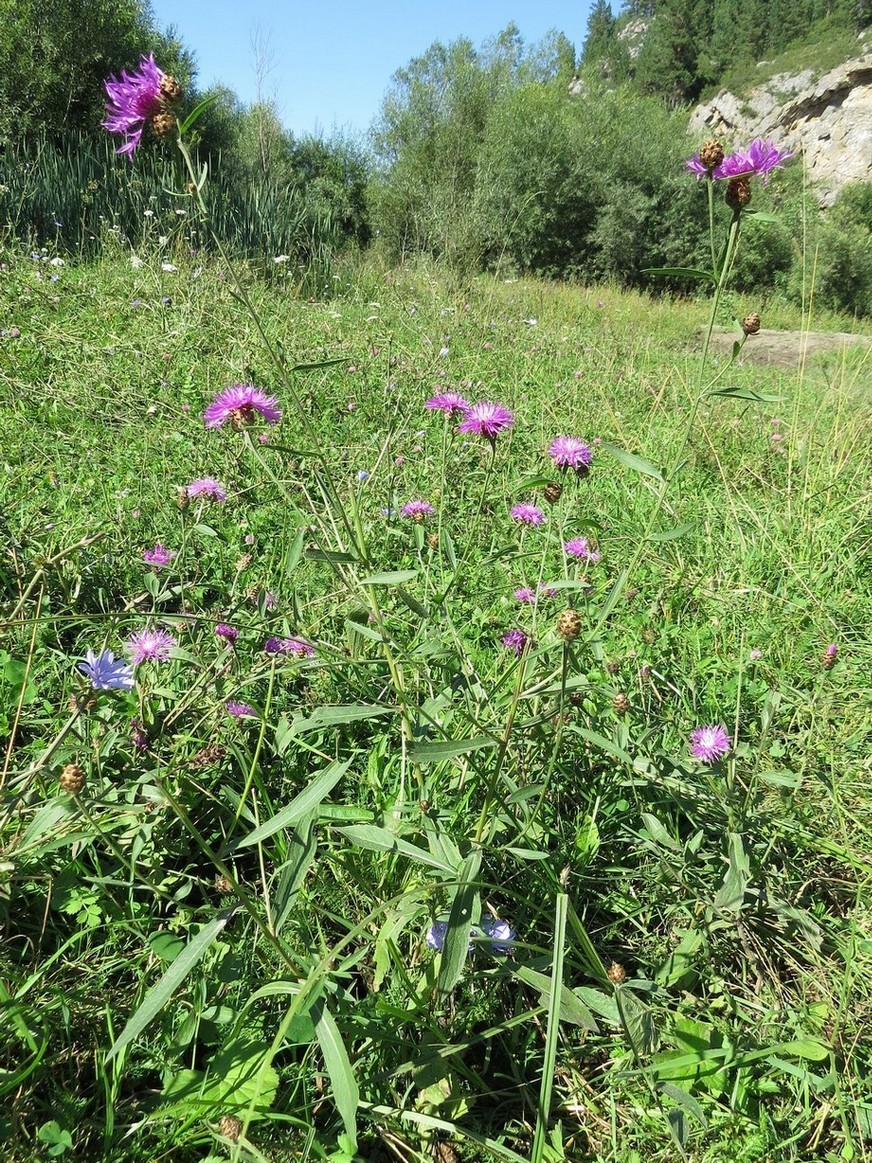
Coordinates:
[788,348]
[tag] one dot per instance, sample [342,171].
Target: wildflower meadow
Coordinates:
[435,715]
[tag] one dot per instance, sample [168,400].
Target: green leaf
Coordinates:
[335,555]
[746,394]
[389,579]
[301,805]
[449,748]
[346,1094]
[731,894]
[166,946]
[376,839]
[680,273]
[528,484]
[760,215]
[572,1008]
[336,716]
[196,113]
[632,461]
[672,534]
[160,993]
[312,367]
[465,909]
[295,552]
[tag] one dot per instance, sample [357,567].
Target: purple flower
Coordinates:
[206,487]
[227,632]
[240,710]
[547,591]
[293,646]
[581,548]
[500,934]
[832,650]
[527,514]
[105,672]
[417,510]
[486,419]
[515,640]
[449,403]
[525,595]
[158,557]
[759,160]
[570,452]
[238,404]
[133,99]
[709,744]
[755,655]
[436,935]
[149,645]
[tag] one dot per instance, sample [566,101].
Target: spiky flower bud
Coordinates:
[170,89]
[613,666]
[621,703]
[207,756]
[738,193]
[230,1127]
[182,499]
[649,635]
[616,973]
[222,885]
[72,779]
[163,123]
[751,323]
[553,492]
[569,624]
[433,540]
[712,154]
[829,656]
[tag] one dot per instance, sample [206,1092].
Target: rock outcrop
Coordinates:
[827,119]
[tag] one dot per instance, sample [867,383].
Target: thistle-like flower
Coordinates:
[710,743]
[138,98]
[417,511]
[527,514]
[570,452]
[206,487]
[241,404]
[449,403]
[486,419]
[150,645]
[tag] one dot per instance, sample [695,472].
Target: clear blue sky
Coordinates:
[332,61]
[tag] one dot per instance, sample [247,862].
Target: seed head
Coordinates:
[163,123]
[230,1127]
[616,973]
[751,323]
[738,193]
[170,89]
[621,703]
[222,885]
[207,756]
[553,492]
[569,624]
[712,154]
[72,779]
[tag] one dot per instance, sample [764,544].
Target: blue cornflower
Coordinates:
[106,673]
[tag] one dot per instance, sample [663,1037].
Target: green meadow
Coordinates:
[218,930]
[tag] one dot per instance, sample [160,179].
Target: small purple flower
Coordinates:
[487,419]
[832,650]
[149,645]
[436,935]
[240,710]
[525,595]
[227,632]
[293,646]
[515,640]
[570,452]
[759,160]
[158,557]
[756,655]
[417,510]
[449,403]
[580,547]
[527,514]
[206,487]
[133,99]
[105,672]
[709,744]
[238,404]
[500,934]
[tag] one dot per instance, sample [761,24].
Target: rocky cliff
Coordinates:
[825,118]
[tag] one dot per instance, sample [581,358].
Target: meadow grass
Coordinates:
[217,946]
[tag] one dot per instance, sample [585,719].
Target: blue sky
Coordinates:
[332,61]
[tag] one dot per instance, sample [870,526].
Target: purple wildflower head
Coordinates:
[227,632]
[238,404]
[206,487]
[149,645]
[527,514]
[449,403]
[158,557]
[436,935]
[105,672]
[487,419]
[570,452]
[417,510]
[758,160]
[832,650]
[500,934]
[515,640]
[240,710]
[293,646]
[709,744]
[526,595]
[581,548]
[133,99]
